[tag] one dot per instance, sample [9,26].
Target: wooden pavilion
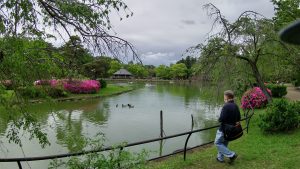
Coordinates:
[122,74]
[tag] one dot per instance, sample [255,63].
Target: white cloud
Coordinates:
[168,27]
[151,58]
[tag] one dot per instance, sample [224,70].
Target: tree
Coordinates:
[74,56]
[98,68]
[114,66]
[22,64]
[47,19]
[24,24]
[244,39]
[163,72]
[179,71]
[286,11]
[138,70]
[151,70]
[189,62]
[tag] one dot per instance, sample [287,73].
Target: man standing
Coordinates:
[230,114]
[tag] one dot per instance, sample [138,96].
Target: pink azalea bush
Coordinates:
[72,86]
[254,98]
[80,87]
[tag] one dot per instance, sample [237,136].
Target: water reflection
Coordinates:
[68,124]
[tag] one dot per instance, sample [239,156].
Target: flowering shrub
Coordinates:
[58,87]
[7,84]
[42,82]
[254,98]
[78,87]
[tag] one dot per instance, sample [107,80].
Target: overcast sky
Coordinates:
[161,30]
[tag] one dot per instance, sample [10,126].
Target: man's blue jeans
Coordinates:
[222,144]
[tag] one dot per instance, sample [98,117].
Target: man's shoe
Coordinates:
[233,158]
[220,161]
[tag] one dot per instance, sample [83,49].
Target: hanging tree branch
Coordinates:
[90,20]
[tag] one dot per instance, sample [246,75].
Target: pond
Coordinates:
[68,123]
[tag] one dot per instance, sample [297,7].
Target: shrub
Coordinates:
[254,98]
[277,90]
[7,84]
[113,159]
[79,87]
[31,92]
[42,83]
[56,92]
[280,116]
[103,83]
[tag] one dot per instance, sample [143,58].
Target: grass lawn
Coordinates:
[114,89]
[110,89]
[255,149]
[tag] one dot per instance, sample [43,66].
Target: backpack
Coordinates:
[232,132]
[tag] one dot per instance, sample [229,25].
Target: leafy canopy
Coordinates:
[89,20]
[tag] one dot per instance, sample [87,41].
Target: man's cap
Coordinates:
[291,33]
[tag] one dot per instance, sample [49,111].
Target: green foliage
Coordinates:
[7,84]
[277,90]
[74,56]
[55,92]
[26,57]
[37,92]
[114,66]
[138,70]
[151,70]
[189,62]
[179,71]
[286,11]
[114,159]
[262,151]
[163,72]
[89,19]
[280,116]
[31,92]
[98,68]
[242,49]
[103,83]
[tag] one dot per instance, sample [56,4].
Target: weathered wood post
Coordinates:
[161,124]
[161,133]
[192,122]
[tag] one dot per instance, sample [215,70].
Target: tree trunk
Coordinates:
[259,80]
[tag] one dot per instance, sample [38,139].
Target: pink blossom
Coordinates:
[254,98]
[78,87]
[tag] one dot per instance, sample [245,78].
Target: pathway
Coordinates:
[293,93]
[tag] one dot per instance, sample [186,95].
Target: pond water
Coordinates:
[68,123]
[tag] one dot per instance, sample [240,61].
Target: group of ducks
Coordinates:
[126,105]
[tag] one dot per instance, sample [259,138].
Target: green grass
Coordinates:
[110,89]
[8,94]
[256,150]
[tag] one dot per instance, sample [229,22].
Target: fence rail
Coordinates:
[247,118]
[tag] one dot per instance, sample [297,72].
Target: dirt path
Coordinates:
[293,93]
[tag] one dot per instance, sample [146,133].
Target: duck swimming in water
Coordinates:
[130,106]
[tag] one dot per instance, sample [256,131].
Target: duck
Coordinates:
[130,106]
